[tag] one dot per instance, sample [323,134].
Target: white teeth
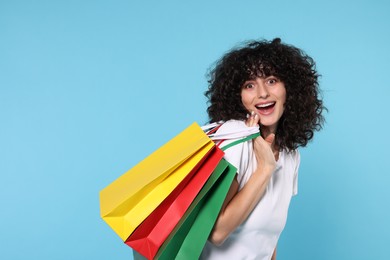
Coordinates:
[266,105]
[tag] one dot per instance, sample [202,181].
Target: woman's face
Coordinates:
[266,97]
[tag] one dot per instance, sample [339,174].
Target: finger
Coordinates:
[256,120]
[250,119]
[270,138]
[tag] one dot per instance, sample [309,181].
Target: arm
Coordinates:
[274,255]
[239,204]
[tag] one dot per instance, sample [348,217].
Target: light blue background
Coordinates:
[89,88]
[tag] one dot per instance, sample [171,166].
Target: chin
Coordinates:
[268,123]
[271,126]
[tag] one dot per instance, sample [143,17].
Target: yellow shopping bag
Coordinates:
[127,201]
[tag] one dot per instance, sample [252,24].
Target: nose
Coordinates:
[262,91]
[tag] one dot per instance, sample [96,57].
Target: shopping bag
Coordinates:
[188,238]
[150,235]
[127,201]
[154,231]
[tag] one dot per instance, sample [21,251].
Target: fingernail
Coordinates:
[252,113]
[247,115]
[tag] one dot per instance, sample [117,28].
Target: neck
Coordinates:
[266,131]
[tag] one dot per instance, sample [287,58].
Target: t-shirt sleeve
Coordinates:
[233,155]
[295,180]
[239,154]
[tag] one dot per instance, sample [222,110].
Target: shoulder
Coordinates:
[231,125]
[291,154]
[229,128]
[290,158]
[240,154]
[232,131]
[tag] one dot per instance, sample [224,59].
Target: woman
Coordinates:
[275,86]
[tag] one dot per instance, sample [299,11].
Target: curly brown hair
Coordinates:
[304,106]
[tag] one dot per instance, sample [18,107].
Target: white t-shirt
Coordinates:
[257,237]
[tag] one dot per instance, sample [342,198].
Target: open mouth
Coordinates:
[265,107]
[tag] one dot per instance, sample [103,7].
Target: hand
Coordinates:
[252,120]
[263,152]
[262,146]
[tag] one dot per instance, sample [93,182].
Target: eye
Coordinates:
[248,85]
[272,81]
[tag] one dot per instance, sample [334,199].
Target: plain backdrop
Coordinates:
[90,88]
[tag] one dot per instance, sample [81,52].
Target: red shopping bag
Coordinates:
[151,234]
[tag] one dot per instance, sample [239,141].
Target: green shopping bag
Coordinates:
[188,238]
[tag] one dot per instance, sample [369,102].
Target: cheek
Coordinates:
[246,99]
[284,98]
[282,94]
